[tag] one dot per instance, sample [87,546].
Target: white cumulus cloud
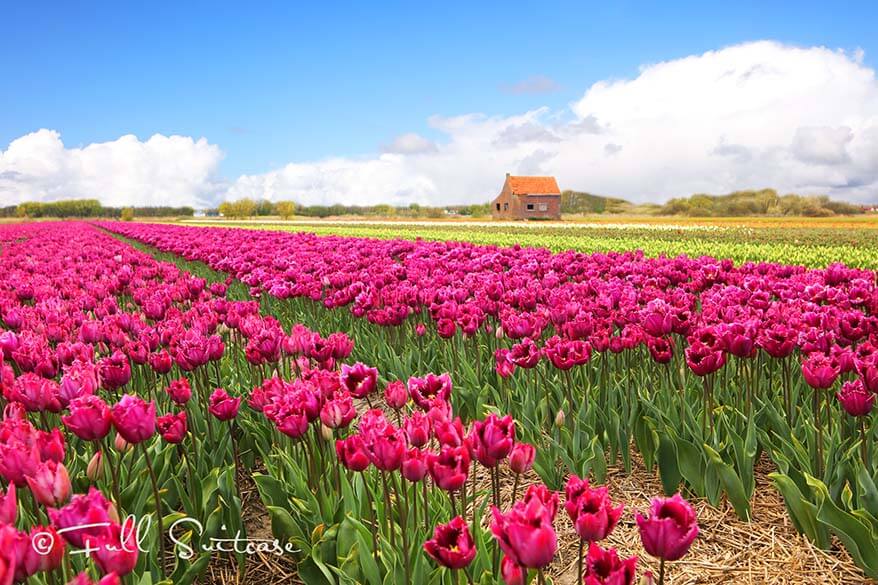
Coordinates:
[163,170]
[754,115]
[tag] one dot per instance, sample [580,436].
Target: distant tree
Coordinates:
[285,209]
[127,214]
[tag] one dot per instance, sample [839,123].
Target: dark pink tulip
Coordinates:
[161,362]
[338,412]
[502,364]
[819,371]
[450,467]
[417,429]
[359,379]
[492,439]
[386,448]
[452,545]
[396,395]
[669,529]
[114,371]
[42,556]
[179,391]
[521,458]
[425,390]
[868,370]
[293,424]
[703,359]
[855,399]
[50,483]
[590,509]
[8,506]
[603,567]
[117,548]
[172,427]
[525,533]
[85,517]
[352,453]
[512,573]
[36,394]
[414,465]
[134,418]
[83,579]
[80,378]
[89,418]
[51,445]
[223,406]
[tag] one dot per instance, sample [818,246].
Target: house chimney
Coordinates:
[507,174]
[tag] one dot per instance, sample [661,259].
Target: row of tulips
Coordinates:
[125,431]
[698,365]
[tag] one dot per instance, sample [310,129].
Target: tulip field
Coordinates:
[214,405]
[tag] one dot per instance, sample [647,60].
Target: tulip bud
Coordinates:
[560,418]
[121,444]
[95,469]
[647,579]
[499,332]
[325,432]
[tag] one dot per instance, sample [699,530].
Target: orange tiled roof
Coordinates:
[534,185]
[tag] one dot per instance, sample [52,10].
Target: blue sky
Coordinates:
[274,83]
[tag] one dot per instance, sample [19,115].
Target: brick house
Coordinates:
[528,198]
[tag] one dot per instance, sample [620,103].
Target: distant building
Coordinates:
[528,198]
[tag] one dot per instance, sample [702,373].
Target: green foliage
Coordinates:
[761,202]
[87,208]
[576,202]
[127,214]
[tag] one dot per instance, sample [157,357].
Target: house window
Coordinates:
[530,206]
[498,207]
[505,206]
[544,207]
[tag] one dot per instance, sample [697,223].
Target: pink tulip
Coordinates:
[590,510]
[134,418]
[452,546]
[50,483]
[89,419]
[223,406]
[172,427]
[669,529]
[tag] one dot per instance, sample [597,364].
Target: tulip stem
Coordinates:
[661,580]
[114,472]
[158,508]
[579,560]
[864,448]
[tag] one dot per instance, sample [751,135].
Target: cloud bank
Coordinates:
[754,115]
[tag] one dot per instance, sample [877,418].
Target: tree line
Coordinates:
[89,208]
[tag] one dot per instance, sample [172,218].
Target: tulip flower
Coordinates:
[89,419]
[669,529]
[493,439]
[85,516]
[115,550]
[603,567]
[8,506]
[417,429]
[359,379]
[172,427]
[134,418]
[396,395]
[512,573]
[386,448]
[352,453]
[819,371]
[179,391]
[95,468]
[50,483]
[590,510]
[425,390]
[450,467]
[452,545]
[855,399]
[222,406]
[114,371]
[521,458]
[525,533]
[414,465]
[338,412]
